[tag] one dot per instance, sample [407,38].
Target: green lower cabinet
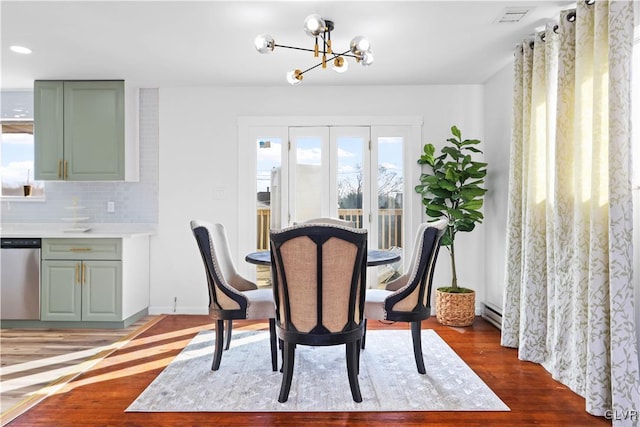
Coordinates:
[81,290]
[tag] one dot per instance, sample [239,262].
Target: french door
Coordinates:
[329,173]
[351,172]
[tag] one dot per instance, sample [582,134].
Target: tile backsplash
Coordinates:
[135,202]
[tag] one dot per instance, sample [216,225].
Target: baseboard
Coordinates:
[156,310]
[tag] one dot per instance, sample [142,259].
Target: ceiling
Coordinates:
[210,43]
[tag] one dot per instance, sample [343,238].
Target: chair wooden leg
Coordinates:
[358,347]
[417,345]
[289,352]
[364,333]
[281,347]
[352,370]
[217,352]
[229,329]
[274,345]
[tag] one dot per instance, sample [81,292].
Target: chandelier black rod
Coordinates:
[312,50]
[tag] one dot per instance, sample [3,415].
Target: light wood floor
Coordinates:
[36,361]
[101,395]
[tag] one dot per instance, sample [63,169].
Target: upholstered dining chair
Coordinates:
[231,296]
[329,220]
[408,298]
[319,279]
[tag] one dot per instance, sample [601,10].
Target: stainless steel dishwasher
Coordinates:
[20,278]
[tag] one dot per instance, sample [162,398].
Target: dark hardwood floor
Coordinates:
[100,396]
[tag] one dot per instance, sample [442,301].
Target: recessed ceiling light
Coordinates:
[20,49]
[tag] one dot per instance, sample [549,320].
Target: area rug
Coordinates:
[389,380]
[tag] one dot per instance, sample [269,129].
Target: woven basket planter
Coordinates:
[455,309]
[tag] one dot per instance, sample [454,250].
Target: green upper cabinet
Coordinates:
[48,130]
[79,130]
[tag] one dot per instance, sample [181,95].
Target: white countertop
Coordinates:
[52,230]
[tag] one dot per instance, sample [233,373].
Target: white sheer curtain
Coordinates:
[569,299]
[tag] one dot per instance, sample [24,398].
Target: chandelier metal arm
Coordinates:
[345,53]
[293,47]
[330,59]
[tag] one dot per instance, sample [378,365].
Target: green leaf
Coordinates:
[456,131]
[456,213]
[470,142]
[446,240]
[455,154]
[433,214]
[429,149]
[472,173]
[427,157]
[472,204]
[475,215]
[474,149]
[436,207]
[478,165]
[448,185]
[430,180]
[468,194]
[473,184]
[465,226]
[440,192]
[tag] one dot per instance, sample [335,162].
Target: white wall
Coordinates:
[198,158]
[498,105]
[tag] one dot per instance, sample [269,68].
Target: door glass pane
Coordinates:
[350,178]
[309,183]
[268,171]
[390,181]
[390,185]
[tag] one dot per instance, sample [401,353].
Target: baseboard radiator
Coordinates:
[492,314]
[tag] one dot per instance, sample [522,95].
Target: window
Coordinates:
[17,155]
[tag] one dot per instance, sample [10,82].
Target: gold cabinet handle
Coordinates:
[59,168]
[78,273]
[66,164]
[84,266]
[79,249]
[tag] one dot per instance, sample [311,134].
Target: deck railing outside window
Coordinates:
[389,226]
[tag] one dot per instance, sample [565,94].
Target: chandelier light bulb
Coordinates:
[294,77]
[265,43]
[340,65]
[359,45]
[367,59]
[314,25]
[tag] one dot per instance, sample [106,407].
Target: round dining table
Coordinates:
[374,257]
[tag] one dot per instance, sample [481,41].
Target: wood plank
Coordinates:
[33,359]
[101,395]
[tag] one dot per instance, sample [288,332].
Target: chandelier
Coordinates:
[320,29]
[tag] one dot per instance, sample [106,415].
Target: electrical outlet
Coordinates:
[219,193]
[111,207]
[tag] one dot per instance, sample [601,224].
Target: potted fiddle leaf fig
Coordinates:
[451,187]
